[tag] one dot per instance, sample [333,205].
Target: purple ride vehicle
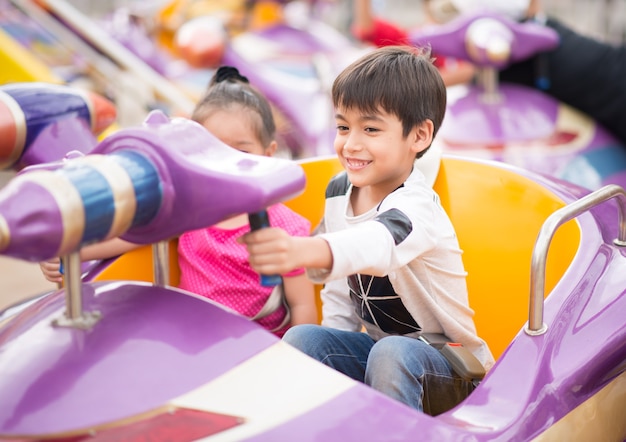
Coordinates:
[513,123]
[121,359]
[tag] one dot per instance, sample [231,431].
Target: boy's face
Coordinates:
[373,151]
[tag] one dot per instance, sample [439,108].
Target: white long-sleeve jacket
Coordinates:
[397,269]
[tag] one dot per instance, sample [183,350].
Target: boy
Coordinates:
[386,251]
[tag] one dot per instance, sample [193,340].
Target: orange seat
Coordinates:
[497,215]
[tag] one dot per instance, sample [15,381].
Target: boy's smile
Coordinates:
[356,164]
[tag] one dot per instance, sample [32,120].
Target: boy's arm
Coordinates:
[273,251]
[369,28]
[368,248]
[407,226]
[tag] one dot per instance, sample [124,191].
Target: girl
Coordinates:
[212,263]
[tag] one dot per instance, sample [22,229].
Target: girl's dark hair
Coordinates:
[401,80]
[229,88]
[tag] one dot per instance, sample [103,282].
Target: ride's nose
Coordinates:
[13,130]
[102,111]
[28,111]
[4,233]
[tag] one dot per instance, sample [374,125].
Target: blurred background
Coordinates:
[604,19]
[601,19]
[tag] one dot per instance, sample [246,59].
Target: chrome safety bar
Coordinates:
[74,316]
[535,324]
[161,263]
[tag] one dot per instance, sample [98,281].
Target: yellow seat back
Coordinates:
[136,265]
[310,203]
[497,215]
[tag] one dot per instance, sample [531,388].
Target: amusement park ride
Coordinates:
[112,358]
[513,123]
[120,353]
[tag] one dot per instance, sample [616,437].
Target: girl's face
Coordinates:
[236,128]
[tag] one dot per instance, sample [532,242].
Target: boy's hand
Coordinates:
[271,251]
[51,270]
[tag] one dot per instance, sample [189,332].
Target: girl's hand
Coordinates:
[51,270]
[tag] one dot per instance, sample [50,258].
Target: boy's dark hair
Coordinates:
[229,88]
[401,80]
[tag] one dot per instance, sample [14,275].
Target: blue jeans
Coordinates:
[403,368]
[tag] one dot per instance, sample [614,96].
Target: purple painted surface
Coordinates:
[54,141]
[584,347]
[202,178]
[56,119]
[615,178]
[175,343]
[601,162]
[202,182]
[30,214]
[362,413]
[129,31]
[151,345]
[305,41]
[43,103]
[296,77]
[522,114]
[450,39]
[526,128]
[520,125]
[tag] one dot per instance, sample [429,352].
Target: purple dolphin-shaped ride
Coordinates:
[42,122]
[145,184]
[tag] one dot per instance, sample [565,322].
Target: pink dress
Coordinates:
[214,265]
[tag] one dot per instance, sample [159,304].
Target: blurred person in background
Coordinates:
[367,27]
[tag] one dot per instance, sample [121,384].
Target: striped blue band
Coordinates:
[146,182]
[98,196]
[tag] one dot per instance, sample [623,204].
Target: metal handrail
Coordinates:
[161,263]
[74,315]
[540,252]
